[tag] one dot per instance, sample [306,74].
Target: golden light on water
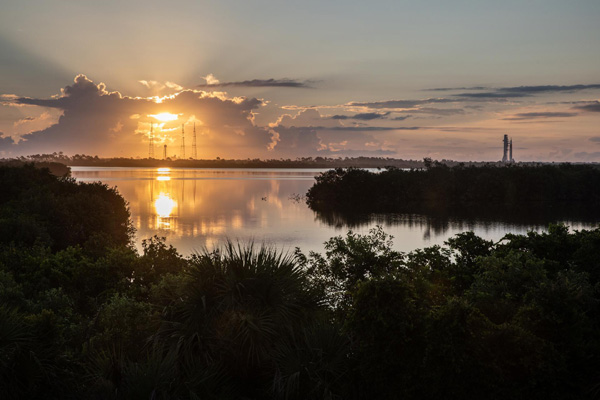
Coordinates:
[164,206]
[165,116]
[163,171]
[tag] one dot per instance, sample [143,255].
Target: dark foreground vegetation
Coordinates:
[84,316]
[55,167]
[438,188]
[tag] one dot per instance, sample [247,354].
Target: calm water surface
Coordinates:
[196,208]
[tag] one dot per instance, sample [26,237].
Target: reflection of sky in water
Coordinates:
[194,208]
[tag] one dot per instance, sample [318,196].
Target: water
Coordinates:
[197,208]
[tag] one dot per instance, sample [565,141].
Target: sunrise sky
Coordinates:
[273,79]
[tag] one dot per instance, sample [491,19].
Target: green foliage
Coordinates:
[439,189]
[38,208]
[349,260]
[83,315]
[475,319]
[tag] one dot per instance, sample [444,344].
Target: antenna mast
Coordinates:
[151,145]
[182,143]
[194,152]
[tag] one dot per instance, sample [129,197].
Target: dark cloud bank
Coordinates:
[592,106]
[514,91]
[362,116]
[287,83]
[538,115]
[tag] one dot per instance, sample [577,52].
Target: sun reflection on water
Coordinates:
[164,206]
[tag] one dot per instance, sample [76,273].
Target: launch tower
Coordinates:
[182,143]
[151,145]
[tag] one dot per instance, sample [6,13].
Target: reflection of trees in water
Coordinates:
[439,222]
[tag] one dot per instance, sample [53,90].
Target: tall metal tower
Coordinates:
[505,154]
[194,152]
[182,142]
[510,151]
[165,152]
[151,145]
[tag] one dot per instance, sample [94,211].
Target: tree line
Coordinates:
[459,188]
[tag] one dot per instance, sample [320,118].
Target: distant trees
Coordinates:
[219,162]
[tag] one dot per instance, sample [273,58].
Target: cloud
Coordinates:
[308,132]
[396,104]
[518,91]
[539,115]
[367,128]
[592,106]
[153,85]
[491,95]
[6,142]
[212,82]
[23,121]
[309,117]
[448,89]
[587,156]
[174,86]
[362,116]
[595,139]
[438,111]
[157,87]
[548,88]
[100,122]
[28,120]
[211,79]
[294,141]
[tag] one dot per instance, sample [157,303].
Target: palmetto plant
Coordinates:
[237,303]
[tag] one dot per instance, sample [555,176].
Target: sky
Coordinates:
[281,79]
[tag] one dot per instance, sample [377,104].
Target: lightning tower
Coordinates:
[151,145]
[510,151]
[182,143]
[194,152]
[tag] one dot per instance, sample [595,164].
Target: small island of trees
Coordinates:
[461,189]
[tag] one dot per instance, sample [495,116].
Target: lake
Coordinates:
[198,208]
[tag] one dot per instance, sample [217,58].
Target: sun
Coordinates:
[165,116]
